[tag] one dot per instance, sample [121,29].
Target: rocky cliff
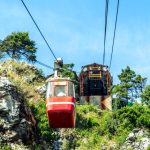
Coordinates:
[138,139]
[17,123]
[18,126]
[24,123]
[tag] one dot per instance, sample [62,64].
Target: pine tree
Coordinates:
[18,46]
[130,87]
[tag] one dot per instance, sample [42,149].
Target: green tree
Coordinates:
[67,71]
[17,46]
[145,96]
[130,87]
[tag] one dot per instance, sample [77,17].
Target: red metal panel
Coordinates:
[61,112]
[61,119]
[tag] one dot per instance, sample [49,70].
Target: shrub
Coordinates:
[5,147]
[48,134]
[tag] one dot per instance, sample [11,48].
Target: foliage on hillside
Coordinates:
[27,78]
[146,95]
[24,76]
[46,133]
[68,72]
[95,128]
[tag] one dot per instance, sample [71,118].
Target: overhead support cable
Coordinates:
[112,50]
[38,29]
[42,64]
[105,29]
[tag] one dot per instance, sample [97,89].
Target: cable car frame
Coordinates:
[60,103]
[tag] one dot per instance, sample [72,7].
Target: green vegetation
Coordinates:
[5,147]
[24,76]
[148,148]
[129,89]
[146,95]
[46,133]
[67,71]
[18,46]
[95,128]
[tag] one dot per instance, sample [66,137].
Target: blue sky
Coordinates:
[75,29]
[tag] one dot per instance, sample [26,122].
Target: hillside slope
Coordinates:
[24,123]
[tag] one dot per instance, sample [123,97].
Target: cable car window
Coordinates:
[95,71]
[71,89]
[60,90]
[49,89]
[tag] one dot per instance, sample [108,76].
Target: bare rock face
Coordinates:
[9,107]
[42,89]
[138,139]
[17,124]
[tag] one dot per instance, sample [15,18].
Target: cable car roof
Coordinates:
[101,67]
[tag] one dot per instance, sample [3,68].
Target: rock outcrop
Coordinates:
[17,123]
[138,139]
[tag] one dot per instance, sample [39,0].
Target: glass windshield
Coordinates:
[60,90]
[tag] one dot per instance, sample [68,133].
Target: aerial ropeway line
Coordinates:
[112,50]
[94,84]
[39,29]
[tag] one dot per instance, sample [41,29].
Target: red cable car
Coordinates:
[60,103]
